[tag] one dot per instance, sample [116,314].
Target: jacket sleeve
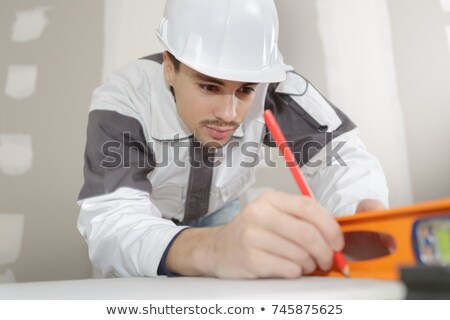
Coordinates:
[326,144]
[124,230]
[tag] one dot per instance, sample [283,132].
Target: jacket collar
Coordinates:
[166,123]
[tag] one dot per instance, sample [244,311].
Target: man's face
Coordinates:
[211,108]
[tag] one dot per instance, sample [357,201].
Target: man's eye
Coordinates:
[247,90]
[208,87]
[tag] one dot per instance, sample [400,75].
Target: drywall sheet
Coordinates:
[356,36]
[123,18]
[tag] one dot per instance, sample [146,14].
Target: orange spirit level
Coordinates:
[379,243]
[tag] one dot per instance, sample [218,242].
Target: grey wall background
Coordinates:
[69,56]
[69,59]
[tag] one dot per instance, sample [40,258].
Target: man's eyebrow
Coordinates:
[250,84]
[203,77]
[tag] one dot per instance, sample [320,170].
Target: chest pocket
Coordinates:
[169,199]
[231,189]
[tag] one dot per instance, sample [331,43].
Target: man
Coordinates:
[193,105]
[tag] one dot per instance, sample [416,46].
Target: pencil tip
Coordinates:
[346,271]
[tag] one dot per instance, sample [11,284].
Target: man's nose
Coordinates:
[227,109]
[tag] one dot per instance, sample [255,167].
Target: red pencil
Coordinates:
[295,170]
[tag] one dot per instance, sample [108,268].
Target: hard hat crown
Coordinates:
[226,39]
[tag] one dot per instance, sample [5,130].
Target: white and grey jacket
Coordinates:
[139,158]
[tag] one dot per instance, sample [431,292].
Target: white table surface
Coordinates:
[204,289]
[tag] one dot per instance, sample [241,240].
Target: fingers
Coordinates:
[308,210]
[245,251]
[278,246]
[277,235]
[291,237]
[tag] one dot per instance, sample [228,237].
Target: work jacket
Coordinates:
[139,158]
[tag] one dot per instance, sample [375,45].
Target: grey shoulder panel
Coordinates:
[157,57]
[307,119]
[116,155]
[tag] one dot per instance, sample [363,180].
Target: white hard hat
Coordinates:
[226,39]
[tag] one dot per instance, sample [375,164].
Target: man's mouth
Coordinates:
[219,133]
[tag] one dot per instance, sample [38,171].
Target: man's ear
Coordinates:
[169,69]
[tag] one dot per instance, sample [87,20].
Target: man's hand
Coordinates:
[367,205]
[278,235]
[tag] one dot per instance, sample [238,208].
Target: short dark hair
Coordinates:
[175,61]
